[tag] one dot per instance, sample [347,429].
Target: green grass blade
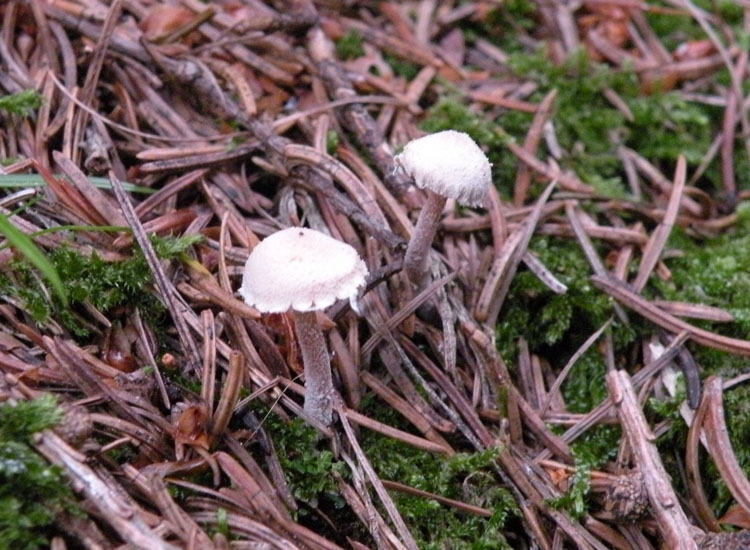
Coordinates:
[59,228]
[23,243]
[35,180]
[104,228]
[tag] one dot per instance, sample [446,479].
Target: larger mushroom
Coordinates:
[305,271]
[447,165]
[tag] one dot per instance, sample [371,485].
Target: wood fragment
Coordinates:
[665,506]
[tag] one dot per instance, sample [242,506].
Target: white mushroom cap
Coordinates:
[301,269]
[450,164]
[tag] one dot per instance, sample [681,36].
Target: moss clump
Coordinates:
[676,128]
[31,491]
[332,141]
[450,114]
[558,323]
[466,477]
[502,24]
[308,469]
[715,272]
[106,285]
[349,46]
[589,127]
[675,29]
[21,104]
[592,451]
[7,161]
[580,394]
[401,67]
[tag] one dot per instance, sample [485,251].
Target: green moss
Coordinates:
[222,523]
[23,420]
[715,272]
[167,248]
[674,29]
[308,469]
[580,394]
[106,285]
[450,114]
[188,382]
[466,477]
[501,25]
[332,141]
[21,104]
[400,66]
[667,126]
[586,123]
[550,321]
[31,491]
[349,46]
[590,452]
[7,161]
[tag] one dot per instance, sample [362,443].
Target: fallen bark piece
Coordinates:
[122,516]
[673,525]
[725,541]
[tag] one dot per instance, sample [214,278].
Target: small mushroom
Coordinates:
[306,271]
[447,165]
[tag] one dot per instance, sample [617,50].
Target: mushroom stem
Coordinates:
[318,380]
[417,252]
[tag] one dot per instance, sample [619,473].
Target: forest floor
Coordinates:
[572,374]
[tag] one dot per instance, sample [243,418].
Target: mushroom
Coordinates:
[305,271]
[446,164]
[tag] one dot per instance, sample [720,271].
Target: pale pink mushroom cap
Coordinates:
[301,269]
[450,164]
